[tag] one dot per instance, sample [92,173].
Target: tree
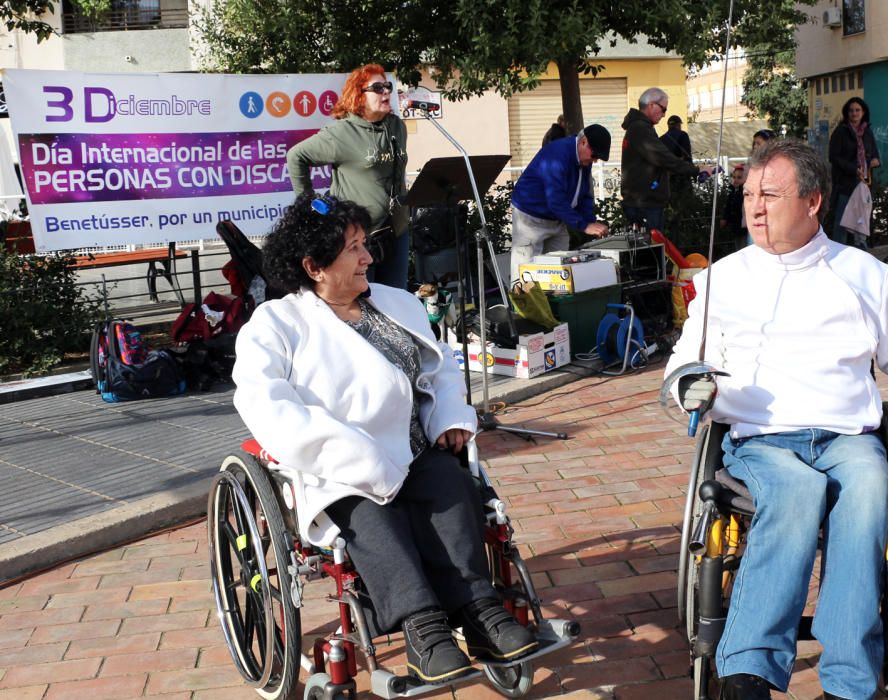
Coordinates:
[474,45]
[771,88]
[25,15]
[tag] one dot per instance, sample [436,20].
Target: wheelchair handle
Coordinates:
[693,422]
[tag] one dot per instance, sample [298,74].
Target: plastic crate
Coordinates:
[582,313]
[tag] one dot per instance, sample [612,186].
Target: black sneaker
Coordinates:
[432,653]
[492,633]
[745,686]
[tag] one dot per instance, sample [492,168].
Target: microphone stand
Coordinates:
[486,419]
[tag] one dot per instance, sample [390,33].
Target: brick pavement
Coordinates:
[597,518]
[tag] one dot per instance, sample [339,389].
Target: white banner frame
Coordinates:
[123,158]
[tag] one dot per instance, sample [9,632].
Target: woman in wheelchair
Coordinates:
[344,383]
[796,323]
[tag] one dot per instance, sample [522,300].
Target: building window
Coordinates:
[842,82]
[853,17]
[835,83]
[125,15]
[851,81]
[817,83]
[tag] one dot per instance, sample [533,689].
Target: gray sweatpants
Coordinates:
[532,236]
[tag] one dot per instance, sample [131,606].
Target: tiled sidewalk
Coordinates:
[596,517]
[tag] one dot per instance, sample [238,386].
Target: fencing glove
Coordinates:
[696,392]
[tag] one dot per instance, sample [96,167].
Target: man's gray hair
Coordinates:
[653,94]
[811,172]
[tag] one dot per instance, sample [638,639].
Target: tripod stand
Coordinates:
[459,188]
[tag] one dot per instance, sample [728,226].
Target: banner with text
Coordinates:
[113,158]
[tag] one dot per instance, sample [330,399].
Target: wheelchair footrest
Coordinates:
[551,635]
[385,684]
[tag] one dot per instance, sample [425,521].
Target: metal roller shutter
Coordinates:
[532,113]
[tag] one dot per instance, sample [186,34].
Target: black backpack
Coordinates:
[124,369]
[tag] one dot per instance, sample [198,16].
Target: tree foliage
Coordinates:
[474,45]
[25,15]
[771,88]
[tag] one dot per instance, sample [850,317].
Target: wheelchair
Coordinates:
[263,575]
[717,515]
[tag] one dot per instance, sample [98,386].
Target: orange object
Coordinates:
[670,249]
[697,260]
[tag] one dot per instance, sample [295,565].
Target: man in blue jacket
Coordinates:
[555,192]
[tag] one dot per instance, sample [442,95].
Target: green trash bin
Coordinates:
[582,312]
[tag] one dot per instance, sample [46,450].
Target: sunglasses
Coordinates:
[323,204]
[661,107]
[379,88]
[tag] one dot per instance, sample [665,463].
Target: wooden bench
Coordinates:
[19,240]
[166,257]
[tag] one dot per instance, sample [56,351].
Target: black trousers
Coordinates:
[424,549]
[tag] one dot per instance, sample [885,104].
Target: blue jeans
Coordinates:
[645,216]
[800,480]
[393,270]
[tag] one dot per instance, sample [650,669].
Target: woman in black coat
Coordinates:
[853,154]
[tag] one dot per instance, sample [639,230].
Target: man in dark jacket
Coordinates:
[677,141]
[555,192]
[647,162]
[557,131]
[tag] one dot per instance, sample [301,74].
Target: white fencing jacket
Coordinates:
[797,333]
[331,409]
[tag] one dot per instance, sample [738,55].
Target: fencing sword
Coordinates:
[701,367]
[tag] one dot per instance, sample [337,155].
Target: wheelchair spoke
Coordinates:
[259,627]
[250,632]
[231,537]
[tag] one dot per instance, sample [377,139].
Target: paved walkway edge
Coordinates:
[103,531]
[121,524]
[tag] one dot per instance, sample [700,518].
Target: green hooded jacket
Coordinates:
[366,157]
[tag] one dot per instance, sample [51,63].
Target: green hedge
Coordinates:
[43,313]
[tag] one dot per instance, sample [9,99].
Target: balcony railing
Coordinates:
[146,16]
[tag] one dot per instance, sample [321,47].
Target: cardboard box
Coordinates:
[571,278]
[536,354]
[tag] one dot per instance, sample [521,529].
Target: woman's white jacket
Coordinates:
[331,409]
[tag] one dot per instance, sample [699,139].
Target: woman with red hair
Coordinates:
[367,147]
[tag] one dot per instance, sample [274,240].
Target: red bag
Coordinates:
[193,323]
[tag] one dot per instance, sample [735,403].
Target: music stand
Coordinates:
[444,180]
[461,181]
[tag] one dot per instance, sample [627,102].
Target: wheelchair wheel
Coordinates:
[512,681]
[687,565]
[249,550]
[703,680]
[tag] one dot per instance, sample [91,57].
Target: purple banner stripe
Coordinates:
[63,168]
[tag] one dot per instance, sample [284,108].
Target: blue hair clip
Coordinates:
[321,206]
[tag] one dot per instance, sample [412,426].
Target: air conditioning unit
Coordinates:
[832,17]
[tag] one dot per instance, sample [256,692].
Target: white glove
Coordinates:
[696,392]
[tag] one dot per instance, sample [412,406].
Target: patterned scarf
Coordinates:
[861,153]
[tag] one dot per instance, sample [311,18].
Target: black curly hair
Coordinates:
[304,232]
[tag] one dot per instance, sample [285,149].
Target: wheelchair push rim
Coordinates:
[249,551]
[692,510]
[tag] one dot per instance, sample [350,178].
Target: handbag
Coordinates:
[381,241]
[858,211]
[530,302]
